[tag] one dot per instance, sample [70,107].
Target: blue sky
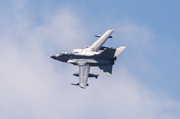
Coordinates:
[145,80]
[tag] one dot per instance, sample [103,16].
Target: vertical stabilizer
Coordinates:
[119,50]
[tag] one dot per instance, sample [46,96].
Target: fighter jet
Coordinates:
[94,55]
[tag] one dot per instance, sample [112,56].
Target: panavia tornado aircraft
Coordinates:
[85,58]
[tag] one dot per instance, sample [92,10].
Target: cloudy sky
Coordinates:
[145,81]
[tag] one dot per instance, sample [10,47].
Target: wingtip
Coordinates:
[123,47]
[111,29]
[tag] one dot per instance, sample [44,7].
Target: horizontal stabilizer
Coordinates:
[107,54]
[106,69]
[119,50]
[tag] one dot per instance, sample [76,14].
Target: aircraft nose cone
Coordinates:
[53,57]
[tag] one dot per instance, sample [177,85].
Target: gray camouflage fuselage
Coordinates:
[85,58]
[82,59]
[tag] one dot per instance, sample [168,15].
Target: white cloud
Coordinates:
[33,86]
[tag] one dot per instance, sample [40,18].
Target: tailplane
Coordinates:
[106,69]
[107,53]
[110,53]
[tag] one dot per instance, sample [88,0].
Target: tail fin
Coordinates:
[119,50]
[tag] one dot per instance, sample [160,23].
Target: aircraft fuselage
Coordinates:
[77,59]
[94,55]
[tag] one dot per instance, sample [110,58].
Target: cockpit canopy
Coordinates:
[65,54]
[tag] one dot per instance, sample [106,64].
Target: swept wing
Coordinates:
[83,75]
[97,44]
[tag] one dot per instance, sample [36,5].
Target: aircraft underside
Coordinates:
[85,58]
